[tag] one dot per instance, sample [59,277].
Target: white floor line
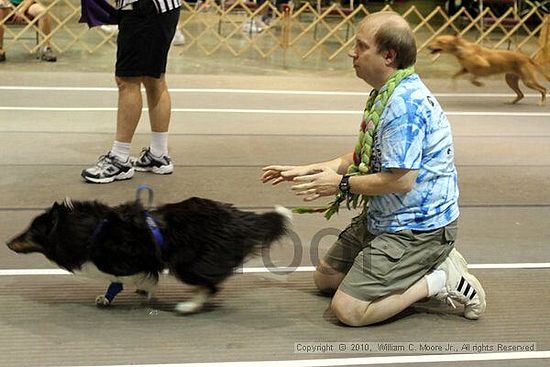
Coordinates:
[253,91]
[494,113]
[437,358]
[258,270]
[266,111]
[510,266]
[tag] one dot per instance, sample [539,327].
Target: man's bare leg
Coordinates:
[159,103]
[355,312]
[160,108]
[130,105]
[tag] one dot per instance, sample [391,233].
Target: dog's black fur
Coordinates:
[204,240]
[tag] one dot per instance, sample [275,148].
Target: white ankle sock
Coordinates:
[436,282]
[159,144]
[121,150]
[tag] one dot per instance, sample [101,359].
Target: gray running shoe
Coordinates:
[108,169]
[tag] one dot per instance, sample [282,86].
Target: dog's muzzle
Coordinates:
[23,247]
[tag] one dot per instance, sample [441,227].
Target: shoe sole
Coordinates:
[163,170]
[470,278]
[120,177]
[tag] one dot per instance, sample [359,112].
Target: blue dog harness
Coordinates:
[153,227]
[115,288]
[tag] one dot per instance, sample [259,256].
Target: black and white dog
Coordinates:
[199,241]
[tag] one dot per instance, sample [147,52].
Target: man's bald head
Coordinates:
[391,32]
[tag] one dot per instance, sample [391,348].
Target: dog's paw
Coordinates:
[188,307]
[102,301]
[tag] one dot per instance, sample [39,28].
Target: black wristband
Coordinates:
[344,185]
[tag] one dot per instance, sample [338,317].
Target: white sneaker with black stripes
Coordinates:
[461,286]
[147,162]
[108,168]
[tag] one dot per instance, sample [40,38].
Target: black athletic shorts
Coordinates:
[144,38]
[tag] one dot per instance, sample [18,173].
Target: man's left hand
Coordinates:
[324,182]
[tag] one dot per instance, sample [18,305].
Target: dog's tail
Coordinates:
[284,212]
[274,225]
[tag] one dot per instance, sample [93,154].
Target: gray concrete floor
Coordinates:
[503,160]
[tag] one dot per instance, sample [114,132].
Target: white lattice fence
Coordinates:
[66,32]
[226,27]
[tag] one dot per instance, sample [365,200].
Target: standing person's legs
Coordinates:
[129,71]
[155,158]
[143,42]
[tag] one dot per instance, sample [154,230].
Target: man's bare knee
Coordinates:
[124,82]
[352,311]
[151,83]
[326,278]
[349,310]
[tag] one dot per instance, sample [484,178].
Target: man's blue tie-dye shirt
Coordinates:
[414,133]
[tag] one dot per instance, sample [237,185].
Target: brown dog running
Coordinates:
[480,61]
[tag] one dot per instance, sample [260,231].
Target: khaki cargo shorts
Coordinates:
[376,266]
